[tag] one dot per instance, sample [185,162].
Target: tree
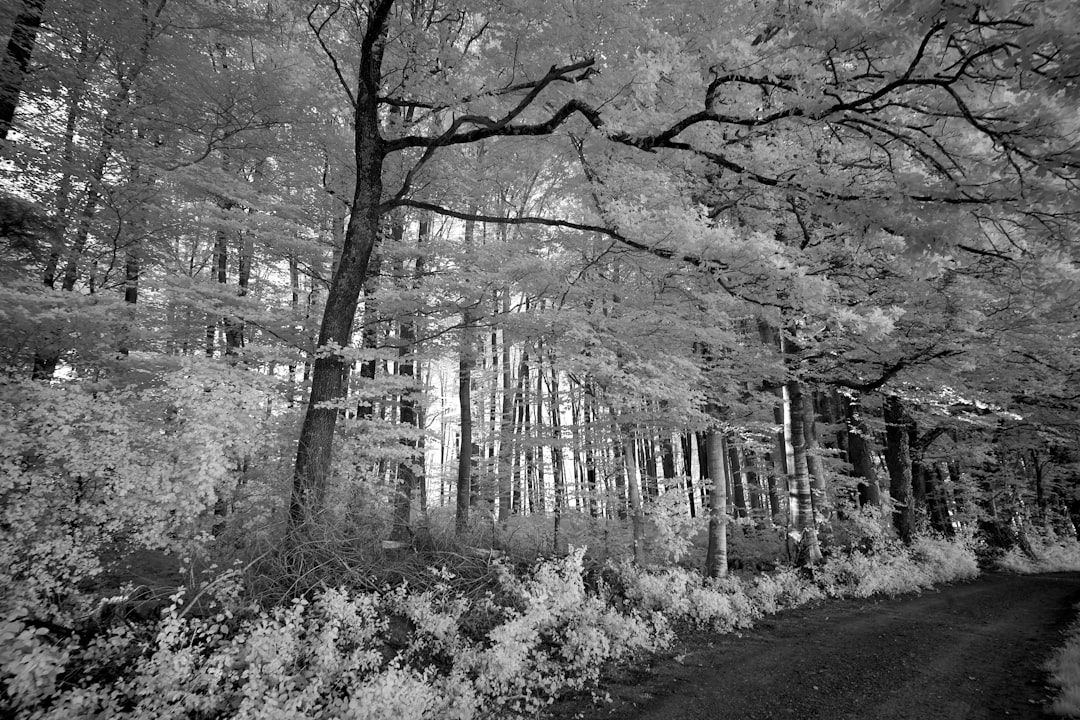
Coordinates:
[371,148]
[716,557]
[16,60]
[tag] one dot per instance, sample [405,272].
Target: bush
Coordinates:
[438,645]
[1064,670]
[683,597]
[1047,554]
[338,655]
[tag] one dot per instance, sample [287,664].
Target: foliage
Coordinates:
[683,596]
[96,470]
[1045,553]
[896,568]
[443,650]
[1064,670]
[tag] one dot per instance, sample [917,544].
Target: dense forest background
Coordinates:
[324,287]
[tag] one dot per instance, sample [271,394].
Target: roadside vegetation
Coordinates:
[448,635]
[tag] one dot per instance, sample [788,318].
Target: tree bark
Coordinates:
[558,474]
[738,483]
[687,442]
[815,465]
[506,430]
[862,461]
[16,62]
[802,495]
[716,555]
[898,460]
[466,361]
[369,334]
[313,453]
[409,481]
[633,492]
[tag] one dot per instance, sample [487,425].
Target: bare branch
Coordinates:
[487,127]
[326,50]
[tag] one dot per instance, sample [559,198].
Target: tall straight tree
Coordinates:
[716,555]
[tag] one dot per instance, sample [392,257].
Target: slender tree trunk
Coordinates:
[716,555]
[738,488]
[652,482]
[633,491]
[687,441]
[74,95]
[1040,492]
[759,499]
[802,495]
[667,460]
[328,376]
[506,430]
[524,452]
[558,474]
[814,463]
[409,481]
[898,460]
[466,361]
[16,61]
[294,282]
[704,469]
[539,498]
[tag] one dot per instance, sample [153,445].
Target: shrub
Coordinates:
[442,646]
[1048,553]
[1064,669]
[683,596]
[784,588]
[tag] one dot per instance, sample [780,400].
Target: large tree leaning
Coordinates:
[328,380]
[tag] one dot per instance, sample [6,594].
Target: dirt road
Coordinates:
[970,651]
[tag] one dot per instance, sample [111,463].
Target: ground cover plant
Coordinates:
[500,644]
[1042,553]
[1064,670]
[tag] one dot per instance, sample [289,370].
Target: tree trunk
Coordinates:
[16,62]
[652,482]
[862,461]
[687,442]
[667,461]
[409,481]
[369,334]
[328,376]
[802,495]
[633,492]
[506,430]
[898,460]
[466,360]
[815,465]
[558,475]
[738,483]
[74,96]
[716,555]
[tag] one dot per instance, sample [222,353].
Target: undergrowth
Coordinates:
[1064,670]
[465,639]
[1044,553]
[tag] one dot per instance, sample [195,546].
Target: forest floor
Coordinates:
[973,650]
